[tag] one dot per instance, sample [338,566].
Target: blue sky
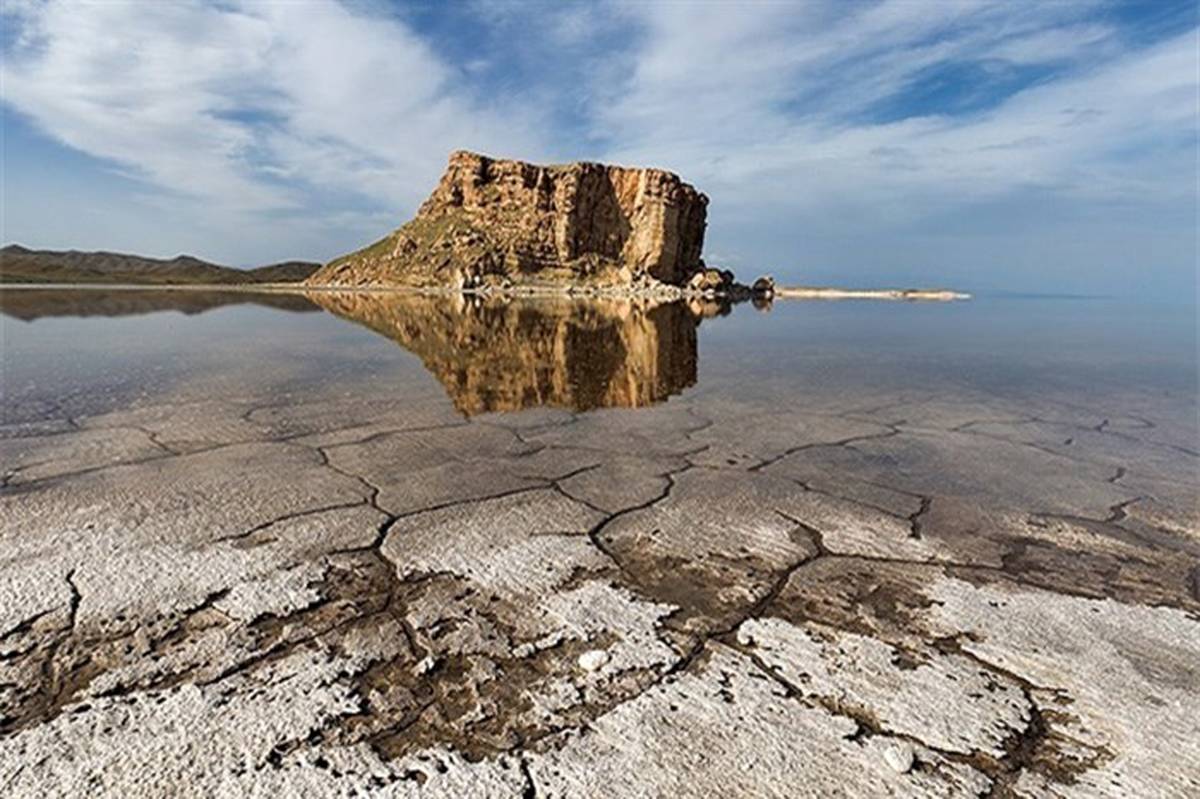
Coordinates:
[987,145]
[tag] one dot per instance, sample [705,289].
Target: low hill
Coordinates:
[22,265]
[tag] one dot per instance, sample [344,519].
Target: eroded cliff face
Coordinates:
[500,222]
[496,355]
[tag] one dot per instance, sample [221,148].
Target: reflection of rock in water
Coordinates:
[503,355]
[30,304]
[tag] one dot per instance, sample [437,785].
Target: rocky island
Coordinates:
[509,224]
[499,225]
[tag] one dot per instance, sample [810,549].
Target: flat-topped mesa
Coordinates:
[509,223]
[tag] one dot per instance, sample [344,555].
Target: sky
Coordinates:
[990,146]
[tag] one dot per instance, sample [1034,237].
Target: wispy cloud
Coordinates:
[251,105]
[804,100]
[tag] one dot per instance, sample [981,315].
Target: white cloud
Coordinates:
[113,80]
[702,68]
[771,111]
[244,103]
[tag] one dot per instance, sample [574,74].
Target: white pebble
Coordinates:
[593,659]
[899,756]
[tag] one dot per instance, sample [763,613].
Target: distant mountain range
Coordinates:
[21,265]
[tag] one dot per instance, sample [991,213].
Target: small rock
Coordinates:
[593,659]
[899,756]
[765,286]
[425,666]
[710,280]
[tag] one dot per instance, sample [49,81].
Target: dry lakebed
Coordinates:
[373,544]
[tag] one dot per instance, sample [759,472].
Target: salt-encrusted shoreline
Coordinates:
[828,293]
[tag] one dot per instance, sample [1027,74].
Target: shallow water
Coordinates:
[95,350]
[494,547]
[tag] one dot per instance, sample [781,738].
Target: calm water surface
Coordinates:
[91,351]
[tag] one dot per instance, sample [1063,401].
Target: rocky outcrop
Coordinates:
[764,287]
[509,223]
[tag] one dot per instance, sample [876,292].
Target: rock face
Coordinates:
[498,222]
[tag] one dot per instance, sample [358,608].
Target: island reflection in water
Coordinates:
[489,353]
[496,354]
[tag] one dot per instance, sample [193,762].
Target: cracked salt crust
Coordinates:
[1127,679]
[726,729]
[945,701]
[599,592]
